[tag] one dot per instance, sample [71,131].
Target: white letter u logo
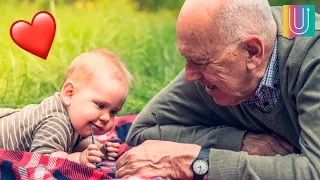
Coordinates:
[297,30]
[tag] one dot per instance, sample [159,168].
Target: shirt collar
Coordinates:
[270,78]
[269,74]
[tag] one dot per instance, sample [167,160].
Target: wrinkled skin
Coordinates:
[158,158]
[266,145]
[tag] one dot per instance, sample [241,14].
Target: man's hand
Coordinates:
[91,155]
[158,158]
[266,145]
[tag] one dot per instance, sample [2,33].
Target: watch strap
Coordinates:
[198,177]
[203,154]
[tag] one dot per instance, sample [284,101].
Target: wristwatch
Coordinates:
[200,165]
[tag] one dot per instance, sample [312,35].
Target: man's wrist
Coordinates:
[200,165]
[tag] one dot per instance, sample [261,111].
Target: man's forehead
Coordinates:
[194,54]
[189,41]
[198,49]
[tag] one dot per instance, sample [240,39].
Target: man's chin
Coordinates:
[223,102]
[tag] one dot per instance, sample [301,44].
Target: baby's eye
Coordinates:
[114,113]
[100,105]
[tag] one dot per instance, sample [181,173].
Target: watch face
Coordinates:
[200,166]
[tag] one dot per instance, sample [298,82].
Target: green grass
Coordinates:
[146,42]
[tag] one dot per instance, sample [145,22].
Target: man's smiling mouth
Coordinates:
[210,87]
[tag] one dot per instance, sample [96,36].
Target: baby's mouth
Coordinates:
[98,127]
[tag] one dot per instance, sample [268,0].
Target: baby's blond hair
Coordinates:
[84,66]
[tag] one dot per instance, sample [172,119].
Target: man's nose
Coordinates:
[191,73]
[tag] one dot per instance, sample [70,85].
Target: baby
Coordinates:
[96,86]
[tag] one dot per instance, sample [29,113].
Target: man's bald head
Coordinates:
[224,21]
[84,67]
[196,19]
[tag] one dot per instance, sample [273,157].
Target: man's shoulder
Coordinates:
[276,10]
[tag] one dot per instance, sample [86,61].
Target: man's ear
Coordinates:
[255,48]
[67,91]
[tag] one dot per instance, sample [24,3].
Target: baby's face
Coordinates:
[97,102]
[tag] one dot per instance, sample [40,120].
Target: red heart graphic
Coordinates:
[36,37]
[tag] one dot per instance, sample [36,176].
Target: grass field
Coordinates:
[146,42]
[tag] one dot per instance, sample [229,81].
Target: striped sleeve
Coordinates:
[52,134]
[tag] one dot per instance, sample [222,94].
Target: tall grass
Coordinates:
[146,42]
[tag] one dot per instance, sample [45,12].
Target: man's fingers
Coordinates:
[120,172]
[266,145]
[268,151]
[279,149]
[121,168]
[284,143]
[125,170]
[262,147]
[121,161]
[273,144]
[288,146]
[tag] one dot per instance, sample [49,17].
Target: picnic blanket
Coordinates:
[27,165]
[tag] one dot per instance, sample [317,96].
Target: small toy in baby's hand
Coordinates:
[91,132]
[109,149]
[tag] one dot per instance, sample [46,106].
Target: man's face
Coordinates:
[229,71]
[221,69]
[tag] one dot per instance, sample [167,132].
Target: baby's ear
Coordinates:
[67,91]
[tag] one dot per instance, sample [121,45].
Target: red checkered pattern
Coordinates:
[27,165]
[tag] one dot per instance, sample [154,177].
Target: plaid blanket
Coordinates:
[27,165]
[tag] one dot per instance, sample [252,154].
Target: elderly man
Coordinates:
[247,105]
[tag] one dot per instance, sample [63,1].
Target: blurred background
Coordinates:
[140,32]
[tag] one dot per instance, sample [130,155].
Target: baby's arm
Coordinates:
[59,154]
[53,137]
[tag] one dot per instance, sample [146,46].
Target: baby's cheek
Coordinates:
[111,124]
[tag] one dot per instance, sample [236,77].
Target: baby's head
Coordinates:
[96,86]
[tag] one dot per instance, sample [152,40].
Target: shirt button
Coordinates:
[266,103]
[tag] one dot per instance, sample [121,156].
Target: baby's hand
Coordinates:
[111,150]
[91,155]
